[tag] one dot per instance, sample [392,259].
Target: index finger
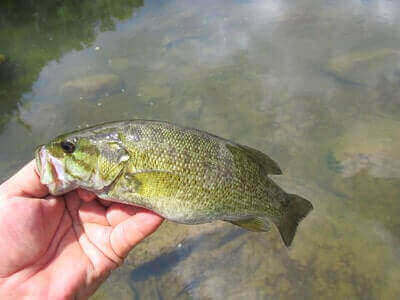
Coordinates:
[26,182]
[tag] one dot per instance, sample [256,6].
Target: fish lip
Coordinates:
[43,161]
[38,160]
[57,186]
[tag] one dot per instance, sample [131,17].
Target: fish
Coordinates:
[183,174]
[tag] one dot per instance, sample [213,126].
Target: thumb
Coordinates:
[133,230]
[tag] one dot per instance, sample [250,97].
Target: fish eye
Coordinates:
[68,147]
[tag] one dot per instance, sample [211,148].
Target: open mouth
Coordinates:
[51,172]
[37,160]
[44,167]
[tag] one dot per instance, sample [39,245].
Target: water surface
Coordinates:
[315,84]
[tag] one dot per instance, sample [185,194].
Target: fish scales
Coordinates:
[165,153]
[185,175]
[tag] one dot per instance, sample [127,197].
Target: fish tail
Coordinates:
[297,209]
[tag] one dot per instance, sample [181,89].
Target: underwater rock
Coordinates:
[119,64]
[93,87]
[363,67]
[372,144]
[170,44]
[192,109]
[154,91]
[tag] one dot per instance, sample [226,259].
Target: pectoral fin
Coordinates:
[149,184]
[253,224]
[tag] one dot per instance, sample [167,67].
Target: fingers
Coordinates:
[133,230]
[86,195]
[99,236]
[28,227]
[25,183]
[118,213]
[93,212]
[105,202]
[93,219]
[99,260]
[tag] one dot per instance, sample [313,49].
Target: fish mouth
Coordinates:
[51,172]
[38,160]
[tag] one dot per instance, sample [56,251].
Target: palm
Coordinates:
[65,246]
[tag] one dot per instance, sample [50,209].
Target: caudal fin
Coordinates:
[297,209]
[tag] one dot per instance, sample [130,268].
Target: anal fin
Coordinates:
[253,224]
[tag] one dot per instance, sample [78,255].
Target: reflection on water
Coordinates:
[34,33]
[165,262]
[315,84]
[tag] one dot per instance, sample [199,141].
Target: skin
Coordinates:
[62,247]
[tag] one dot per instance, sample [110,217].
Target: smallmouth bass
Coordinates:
[183,174]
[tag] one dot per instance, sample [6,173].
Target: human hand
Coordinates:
[62,247]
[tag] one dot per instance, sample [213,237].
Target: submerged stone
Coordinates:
[93,87]
[372,144]
[119,64]
[363,67]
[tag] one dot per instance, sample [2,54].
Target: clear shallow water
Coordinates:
[315,84]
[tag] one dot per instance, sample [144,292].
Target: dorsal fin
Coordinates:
[263,160]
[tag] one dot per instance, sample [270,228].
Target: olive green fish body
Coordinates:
[183,174]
